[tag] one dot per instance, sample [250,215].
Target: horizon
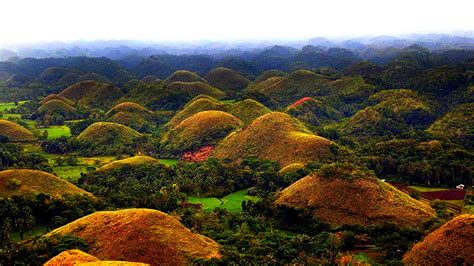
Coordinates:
[142,21]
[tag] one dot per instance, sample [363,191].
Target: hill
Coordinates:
[92,94]
[129,107]
[149,79]
[226,79]
[248,110]
[341,194]
[184,76]
[56,97]
[201,129]
[274,136]
[313,112]
[140,235]
[69,79]
[15,132]
[131,161]
[56,106]
[32,182]
[456,125]
[196,88]
[77,257]
[52,75]
[107,138]
[451,244]
[198,104]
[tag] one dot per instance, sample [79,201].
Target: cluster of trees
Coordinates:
[12,155]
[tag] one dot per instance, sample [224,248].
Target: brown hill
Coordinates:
[199,104]
[248,110]
[274,136]
[108,133]
[341,194]
[184,76]
[56,97]
[77,257]
[56,106]
[32,182]
[201,129]
[451,244]
[140,235]
[15,132]
[136,160]
[92,94]
[128,107]
[196,88]
[226,79]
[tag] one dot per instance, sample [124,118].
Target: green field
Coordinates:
[10,105]
[169,162]
[37,231]
[11,116]
[231,202]
[55,132]
[70,173]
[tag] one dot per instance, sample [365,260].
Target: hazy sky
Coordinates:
[25,21]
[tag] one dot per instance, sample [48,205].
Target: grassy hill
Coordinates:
[32,182]
[92,94]
[56,97]
[199,104]
[456,125]
[131,161]
[196,88]
[132,115]
[201,129]
[130,107]
[248,110]
[54,105]
[184,76]
[451,244]
[78,257]
[140,235]
[226,79]
[313,112]
[274,136]
[15,132]
[341,194]
[103,138]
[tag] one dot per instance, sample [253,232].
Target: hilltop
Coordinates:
[451,244]
[56,97]
[313,112]
[107,138]
[201,129]
[456,125]
[226,79]
[92,94]
[274,136]
[141,235]
[15,132]
[198,104]
[77,257]
[54,105]
[32,182]
[196,88]
[131,161]
[248,110]
[341,194]
[184,76]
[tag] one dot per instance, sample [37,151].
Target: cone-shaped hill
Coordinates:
[77,257]
[31,182]
[456,125]
[54,105]
[92,94]
[196,88]
[107,138]
[130,107]
[226,79]
[56,97]
[15,132]
[313,112]
[341,194]
[198,104]
[248,110]
[140,235]
[131,161]
[201,129]
[132,115]
[184,76]
[451,244]
[275,136]
[269,74]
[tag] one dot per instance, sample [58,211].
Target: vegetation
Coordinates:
[10,131]
[226,79]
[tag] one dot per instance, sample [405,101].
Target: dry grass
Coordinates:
[226,79]
[291,168]
[196,88]
[248,110]
[32,182]
[361,200]
[202,103]
[184,76]
[77,257]
[201,129]
[274,136]
[451,244]
[107,133]
[129,107]
[56,97]
[140,235]
[15,132]
[92,94]
[136,160]
[56,105]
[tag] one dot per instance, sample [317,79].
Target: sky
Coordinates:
[31,21]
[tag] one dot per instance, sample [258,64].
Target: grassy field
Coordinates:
[37,231]
[169,162]
[55,132]
[10,105]
[428,189]
[231,202]
[11,116]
